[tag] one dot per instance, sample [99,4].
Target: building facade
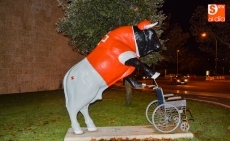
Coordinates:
[33,56]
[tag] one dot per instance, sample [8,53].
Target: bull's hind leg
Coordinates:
[73,117]
[88,120]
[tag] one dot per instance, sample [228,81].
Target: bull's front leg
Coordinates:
[138,64]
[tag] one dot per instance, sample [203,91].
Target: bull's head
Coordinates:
[146,38]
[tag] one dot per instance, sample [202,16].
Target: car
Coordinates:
[179,79]
[191,76]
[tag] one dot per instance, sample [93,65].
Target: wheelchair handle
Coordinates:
[152,86]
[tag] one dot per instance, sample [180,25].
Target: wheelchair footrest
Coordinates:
[190,113]
[174,98]
[168,95]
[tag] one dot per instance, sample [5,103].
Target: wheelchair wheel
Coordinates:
[184,126]
[166,118]
[149,110]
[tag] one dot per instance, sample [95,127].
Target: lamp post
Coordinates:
[216,57]
[204,35]
[177,61]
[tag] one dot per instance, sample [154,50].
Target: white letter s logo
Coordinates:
[212,9]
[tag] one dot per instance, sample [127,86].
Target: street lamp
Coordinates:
[177,61]
[204,35]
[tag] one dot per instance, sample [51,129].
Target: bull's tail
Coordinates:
[65,89]
[65,85]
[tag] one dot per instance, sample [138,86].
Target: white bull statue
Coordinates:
[115,57]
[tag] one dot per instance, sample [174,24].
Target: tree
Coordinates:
[200,24]
[189,61]
[85,27]
[87,21]
[215,30]
[176,40]
[216,40]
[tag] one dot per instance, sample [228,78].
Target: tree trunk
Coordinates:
[128,89]
[154,69]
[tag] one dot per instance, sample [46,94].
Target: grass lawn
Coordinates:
[42,116]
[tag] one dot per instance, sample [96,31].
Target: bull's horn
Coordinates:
[151,25]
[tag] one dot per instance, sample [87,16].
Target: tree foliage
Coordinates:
[215,31]
[87,21]
[176,40]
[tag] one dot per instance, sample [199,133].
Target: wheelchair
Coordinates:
[168,112]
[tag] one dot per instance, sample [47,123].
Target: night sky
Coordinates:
[182,10]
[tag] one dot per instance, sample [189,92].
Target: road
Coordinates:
[216,92]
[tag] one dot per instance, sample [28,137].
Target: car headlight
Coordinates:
[178,80]
[186,80]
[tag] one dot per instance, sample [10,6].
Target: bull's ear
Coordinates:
[151,25]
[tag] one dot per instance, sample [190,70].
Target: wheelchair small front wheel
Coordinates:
[184,126]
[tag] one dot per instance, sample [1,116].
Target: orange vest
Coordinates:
[104,58]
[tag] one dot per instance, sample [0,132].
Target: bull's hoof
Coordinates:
[91,129]
[78,132]
[91,126]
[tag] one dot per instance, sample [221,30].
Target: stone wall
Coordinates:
[33,56]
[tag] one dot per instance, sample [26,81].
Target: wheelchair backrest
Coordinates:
[160,96]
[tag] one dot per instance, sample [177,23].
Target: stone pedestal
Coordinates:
[138,132]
